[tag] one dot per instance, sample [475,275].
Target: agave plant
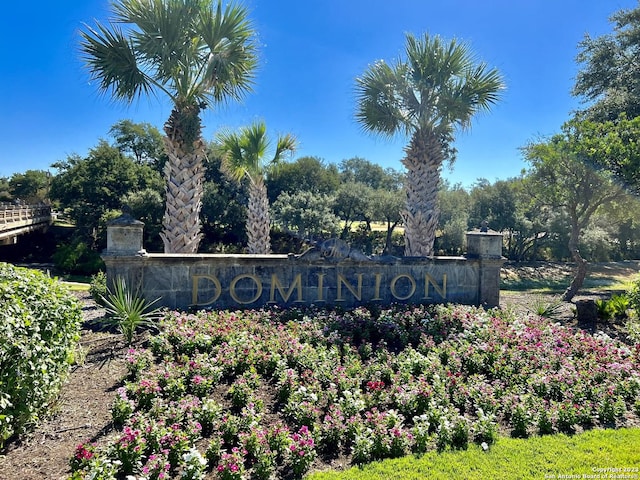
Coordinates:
[128,311]
[550,310]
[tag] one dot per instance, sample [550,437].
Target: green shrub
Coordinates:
[76,257]
[633,294]
[39,328]
[616,307]
[98,287]
[604,311]
[633,330]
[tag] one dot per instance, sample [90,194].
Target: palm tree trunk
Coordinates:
[184,174]
[258,222]
[423,162]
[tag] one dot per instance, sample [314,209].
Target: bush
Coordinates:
[98,287]
[39,328]
[77,258]
[633,294]
[616,307]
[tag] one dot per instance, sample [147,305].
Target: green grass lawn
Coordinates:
[602,453]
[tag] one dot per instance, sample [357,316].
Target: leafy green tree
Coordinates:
[308,174]
[224,211]
[609,78]
[564,182]
[88,187]
[198,55]
[612,145]
[387,207]
[31,186]
[353,201]
[511,207]
[621,220]
[224,216]
[142,140]
[5,196]
[147,205]
[363,171]
[245,158]
[495,204]
[454,215]
[307,215]
[438,88]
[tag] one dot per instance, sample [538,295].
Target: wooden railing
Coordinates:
[14,216]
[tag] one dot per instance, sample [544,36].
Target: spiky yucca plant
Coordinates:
[127,311]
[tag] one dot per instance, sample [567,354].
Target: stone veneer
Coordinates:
[232,281]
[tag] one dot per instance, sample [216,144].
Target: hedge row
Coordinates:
[39,328]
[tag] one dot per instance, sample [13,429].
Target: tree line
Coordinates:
[575,201]
[356,200]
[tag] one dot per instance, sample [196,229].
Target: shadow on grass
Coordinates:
[556,286]
[535,285]
[543,277]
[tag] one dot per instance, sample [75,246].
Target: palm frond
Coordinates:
[230,145]
[245,152]
[286,144]
[111,59]
[451,84]
[189,50]
[381,107]
[229,53]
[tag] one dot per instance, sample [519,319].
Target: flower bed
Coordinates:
[268,393]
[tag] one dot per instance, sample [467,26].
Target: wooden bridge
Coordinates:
[16,220]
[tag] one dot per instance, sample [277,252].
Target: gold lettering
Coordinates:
[343,281]
[195,292]
[234,282]
[377,287]
[428,279]
[275,284]
[320,287]
[394,292]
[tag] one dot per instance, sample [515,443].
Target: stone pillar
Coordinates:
[124,250]
[486,248]
[124,236]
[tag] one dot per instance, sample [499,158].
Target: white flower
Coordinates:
[193,456]
[484,446]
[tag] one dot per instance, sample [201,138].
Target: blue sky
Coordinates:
[311,51]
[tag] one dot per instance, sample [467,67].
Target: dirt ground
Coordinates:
[82,412]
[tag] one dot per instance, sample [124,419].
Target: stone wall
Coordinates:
[331,276]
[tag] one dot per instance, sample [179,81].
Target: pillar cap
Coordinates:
[125,219]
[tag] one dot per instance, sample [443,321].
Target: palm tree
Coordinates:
[244,157]
[196,53]
[438,88]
